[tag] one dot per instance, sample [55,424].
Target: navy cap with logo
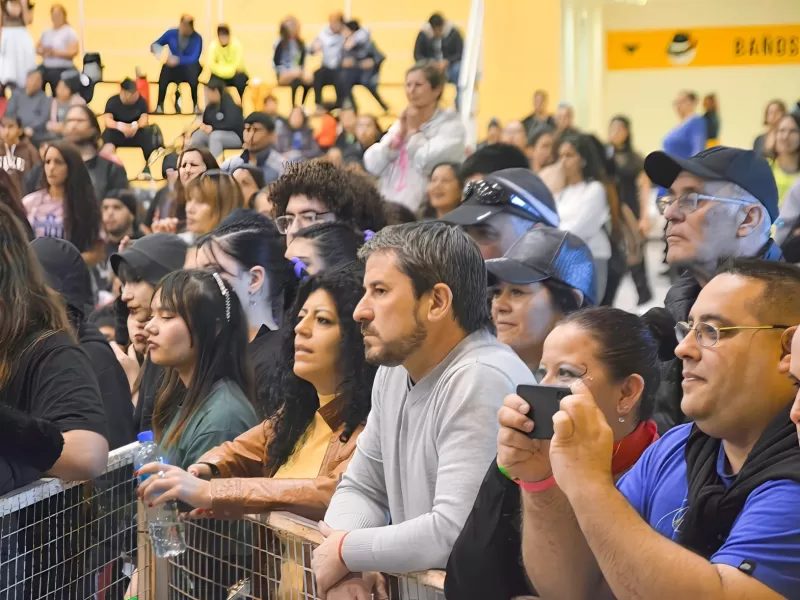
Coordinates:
[517,192]
[547,253]
[746,168]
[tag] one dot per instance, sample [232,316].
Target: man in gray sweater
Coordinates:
[432,431]
[32,107]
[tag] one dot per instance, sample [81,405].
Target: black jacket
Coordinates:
[452,44]
[106,177]
[225,116]
[679,301]
[68,275]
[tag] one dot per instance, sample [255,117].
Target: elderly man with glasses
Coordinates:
[721,204]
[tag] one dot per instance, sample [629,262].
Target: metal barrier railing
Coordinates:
[80,541]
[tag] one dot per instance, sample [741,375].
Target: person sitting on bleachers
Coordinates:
[290,58]
[17,154]
[127,121]
[295,137]
[440,42]
[361,65]
[83,130]
[330,41]
[183,64]
[32,106]
[67,95]
[259,148]
[226,61]
[58,47]
[223,122]
[271,108]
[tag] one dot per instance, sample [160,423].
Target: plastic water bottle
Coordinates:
[166,529]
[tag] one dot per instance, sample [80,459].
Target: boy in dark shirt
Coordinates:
[127,121]
[223,121]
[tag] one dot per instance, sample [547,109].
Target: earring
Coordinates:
[622,419]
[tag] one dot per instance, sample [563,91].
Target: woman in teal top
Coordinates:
[199,334]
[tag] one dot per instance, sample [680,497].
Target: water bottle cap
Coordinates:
[145,436]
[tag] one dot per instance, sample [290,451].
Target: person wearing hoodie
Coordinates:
[259,148]
[67,274]
[295,138]
[361,65]
[329,41]
[32,106]
[140,267]
[223,121]
[424,136]
[440,42]
[226,60]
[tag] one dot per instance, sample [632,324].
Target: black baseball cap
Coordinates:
[746,168]
[547,253]
[261,118]
[526,196]
[152,257]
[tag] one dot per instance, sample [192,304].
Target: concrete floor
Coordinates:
[626,296]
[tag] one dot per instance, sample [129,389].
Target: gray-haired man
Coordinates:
[721,204]
[430,436]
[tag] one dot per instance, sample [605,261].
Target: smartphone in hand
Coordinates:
[545,401]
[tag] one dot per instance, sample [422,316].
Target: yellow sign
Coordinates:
[703,47]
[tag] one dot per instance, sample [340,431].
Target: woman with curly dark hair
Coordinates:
[318,398]
[65,206]
[316,191]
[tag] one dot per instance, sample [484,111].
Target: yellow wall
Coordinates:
[646,95]
[521,53]
[521,39]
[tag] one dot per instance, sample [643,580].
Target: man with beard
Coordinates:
[119,222]
[83,130]
[430,436]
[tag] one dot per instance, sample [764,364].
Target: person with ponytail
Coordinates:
[247,251]
[616,355]
[317,401]
[324,246]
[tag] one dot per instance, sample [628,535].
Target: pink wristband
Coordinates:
[538,486]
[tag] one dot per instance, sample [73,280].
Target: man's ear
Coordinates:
[753,216]
[440,302]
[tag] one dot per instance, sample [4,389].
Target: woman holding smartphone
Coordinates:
[616,354]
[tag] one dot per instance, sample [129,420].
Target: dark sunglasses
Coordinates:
[494,194]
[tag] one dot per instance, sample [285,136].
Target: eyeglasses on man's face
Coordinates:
[708,335]
[687,203]
[303,220]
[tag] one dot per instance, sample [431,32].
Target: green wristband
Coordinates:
[504,472]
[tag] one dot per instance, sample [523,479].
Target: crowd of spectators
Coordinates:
[305,327]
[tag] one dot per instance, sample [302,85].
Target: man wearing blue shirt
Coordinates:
[183,62]
[710,510]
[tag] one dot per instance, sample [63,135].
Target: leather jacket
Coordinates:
[241,483]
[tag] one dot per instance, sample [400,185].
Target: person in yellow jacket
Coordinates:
[226,60]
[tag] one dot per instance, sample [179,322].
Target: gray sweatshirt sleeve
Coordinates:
[466,444]
[360,500]
[790,213]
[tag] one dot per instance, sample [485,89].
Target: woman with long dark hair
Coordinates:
[198,333]
[289,60]
[633,191]
[251,180]
[65,205]
[44,375]
[10,197]
[583,203]
[318,399]
[247,251]
[764,144]
[445,190]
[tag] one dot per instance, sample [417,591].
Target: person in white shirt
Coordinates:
[583,205]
